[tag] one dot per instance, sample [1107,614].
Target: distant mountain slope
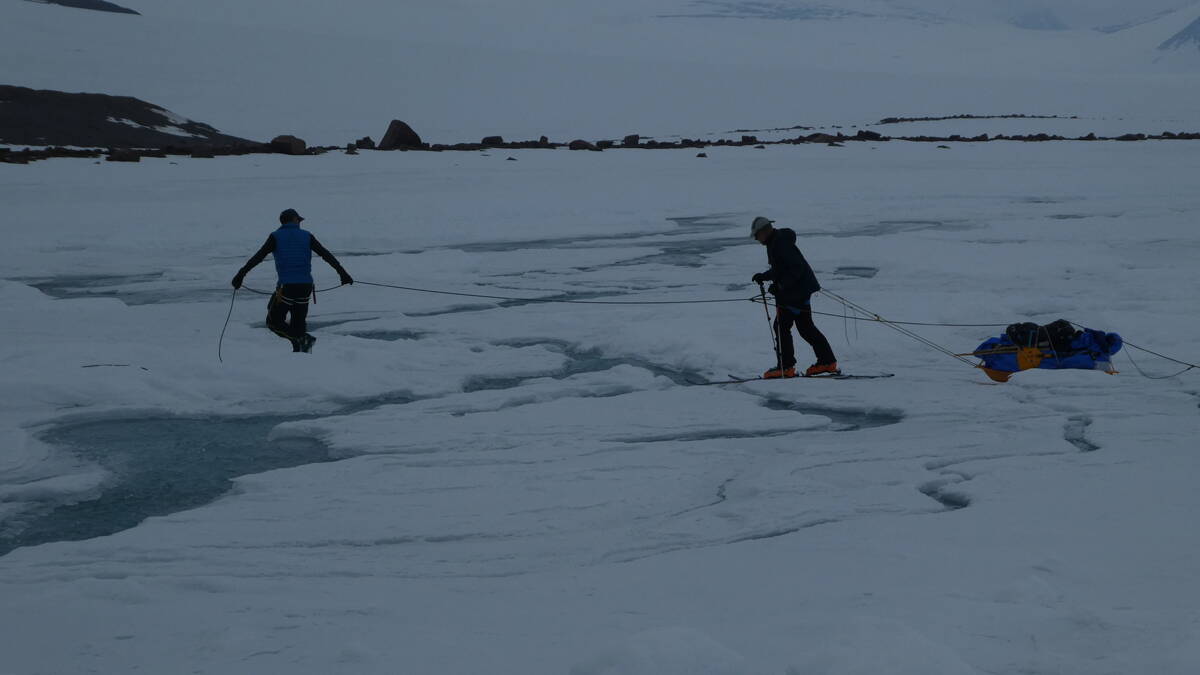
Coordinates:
[43,117]
[1188,37]
[99,5]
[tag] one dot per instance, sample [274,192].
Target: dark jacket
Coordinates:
[793,278]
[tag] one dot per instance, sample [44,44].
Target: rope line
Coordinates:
[1127,343]
[850,312]
[893,325]
[221,339]
[846,317]
[321,290]
[556,300]
[1155,377]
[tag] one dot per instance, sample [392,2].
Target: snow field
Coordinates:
[555,498]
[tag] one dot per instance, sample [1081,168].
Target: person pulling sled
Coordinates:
[292,248]
[792,283]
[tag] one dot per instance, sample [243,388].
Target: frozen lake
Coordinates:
[461,484]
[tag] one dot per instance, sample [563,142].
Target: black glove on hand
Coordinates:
[237,282]
[346,279]
[758,278]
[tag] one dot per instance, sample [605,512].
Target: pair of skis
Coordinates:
[734,379]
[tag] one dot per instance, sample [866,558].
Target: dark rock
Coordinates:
[99,5]
[351,149]
[203,153]
[365,143]
[944,147]
[511,159]
[1089,137]
[1131,137]
[760,147]
[399,135]
[121,155]
[835,144]
[749,140]
[604,145]
[866,135]
[288,145]
[580,144]
[631,141]
[702,154]
[44,117]
[492,141]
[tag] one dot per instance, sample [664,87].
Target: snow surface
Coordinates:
[533,488]
[523,487]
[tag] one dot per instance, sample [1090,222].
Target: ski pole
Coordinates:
[771,326]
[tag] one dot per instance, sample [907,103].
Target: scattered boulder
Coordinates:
[605,145]
[866,135]
[399,135]
[580,144]
[123,155]
[365,143]
[544,142]
[491,141]
[511,159]
[351,149]
[749,140]
[702,154]
[288,145]
[631,141]
[760,147]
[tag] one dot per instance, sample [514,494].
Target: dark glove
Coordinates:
[758,278]
[237,281]
[346,279]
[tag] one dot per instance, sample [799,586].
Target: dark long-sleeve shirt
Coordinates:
[269,247]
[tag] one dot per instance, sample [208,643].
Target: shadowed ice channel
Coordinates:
[160,466]
[157,467]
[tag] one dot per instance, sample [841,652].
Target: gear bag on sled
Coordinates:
[1053,346]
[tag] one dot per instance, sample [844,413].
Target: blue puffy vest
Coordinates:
[293,254]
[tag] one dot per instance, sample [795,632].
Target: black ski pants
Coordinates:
[289,301]
[800,315]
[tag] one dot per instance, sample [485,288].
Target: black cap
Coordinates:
[288,215]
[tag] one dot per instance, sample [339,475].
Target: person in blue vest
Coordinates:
[792,284]
[292,248]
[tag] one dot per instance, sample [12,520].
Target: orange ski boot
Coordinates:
[819,369]
[776,373]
